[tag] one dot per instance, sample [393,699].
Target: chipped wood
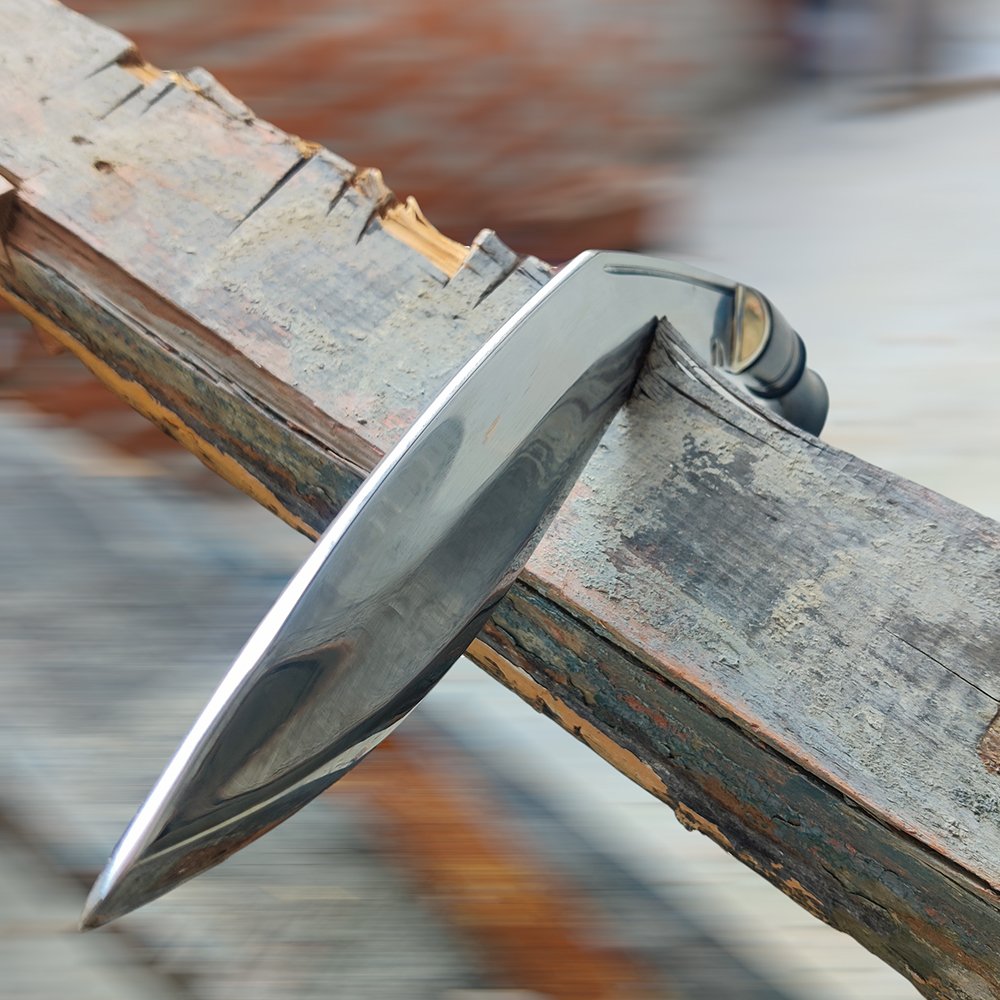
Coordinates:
[795,650]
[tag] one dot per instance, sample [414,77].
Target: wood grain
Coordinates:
[794,649]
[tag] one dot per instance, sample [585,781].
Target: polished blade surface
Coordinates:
[409,571]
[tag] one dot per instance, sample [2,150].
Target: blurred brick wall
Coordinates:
[553,121]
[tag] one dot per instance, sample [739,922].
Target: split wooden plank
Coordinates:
[794,649]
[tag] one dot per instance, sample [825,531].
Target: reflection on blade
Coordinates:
[405,577]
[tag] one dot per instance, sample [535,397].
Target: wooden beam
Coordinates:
[795,650]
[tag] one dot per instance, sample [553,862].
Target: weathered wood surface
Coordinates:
[795,650]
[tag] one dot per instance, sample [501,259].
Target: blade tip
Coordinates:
[90,921]
[107,899]
[94,913]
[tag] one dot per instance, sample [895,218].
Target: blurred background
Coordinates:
[841,156]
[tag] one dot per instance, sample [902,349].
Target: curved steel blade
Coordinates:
[410,570]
